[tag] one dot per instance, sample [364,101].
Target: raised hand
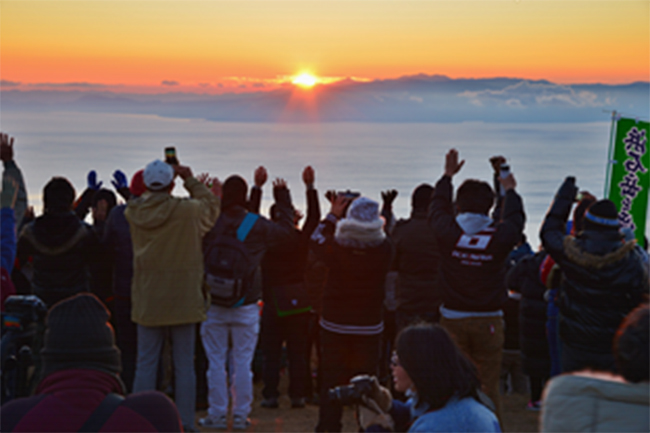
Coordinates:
[204,178]
[308,176]
[260,176]
[182,171]
[339,205]
[330,195]
[452,166]
[6,147]
[119,180]
[388,197]
[496,162]
[279,183]
[92,180]
[216,187]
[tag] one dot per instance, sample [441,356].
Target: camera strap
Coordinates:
[106,408]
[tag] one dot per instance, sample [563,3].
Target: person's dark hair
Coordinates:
[58,195]
[421,197]
[105,194]
[579,213]
[435,364]
[475,196]
[631,346]
[234,193]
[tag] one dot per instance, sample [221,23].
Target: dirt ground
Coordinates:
[285,419]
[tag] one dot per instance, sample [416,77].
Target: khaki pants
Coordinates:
[481,338]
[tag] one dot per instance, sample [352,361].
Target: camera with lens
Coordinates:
[353,392]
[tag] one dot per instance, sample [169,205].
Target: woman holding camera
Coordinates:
[441,383]
[353,245]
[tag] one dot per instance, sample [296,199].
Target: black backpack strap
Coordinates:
[103,412]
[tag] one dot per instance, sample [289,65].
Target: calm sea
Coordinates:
[366,157]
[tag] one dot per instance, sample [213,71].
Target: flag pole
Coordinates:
[610,155]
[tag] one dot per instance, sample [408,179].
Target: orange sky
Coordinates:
[199,44]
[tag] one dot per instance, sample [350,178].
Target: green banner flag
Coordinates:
[629,175]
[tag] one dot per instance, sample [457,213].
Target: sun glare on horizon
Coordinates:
[305,80]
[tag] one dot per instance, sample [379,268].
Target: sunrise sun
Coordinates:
[305,80]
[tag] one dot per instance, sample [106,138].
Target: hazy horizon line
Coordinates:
[253,84]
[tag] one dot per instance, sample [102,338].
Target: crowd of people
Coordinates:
[187,295]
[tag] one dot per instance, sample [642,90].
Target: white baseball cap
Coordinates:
[158,175]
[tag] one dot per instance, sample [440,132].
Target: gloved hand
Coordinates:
[388,197]
[119,180]
[92,180]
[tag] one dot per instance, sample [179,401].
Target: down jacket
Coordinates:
[603,277]
[592,402]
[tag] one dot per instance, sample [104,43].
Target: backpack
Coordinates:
[229,267]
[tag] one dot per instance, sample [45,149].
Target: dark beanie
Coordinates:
[234,192]
[421,197]
[78,335]
[601,215]
[58,195]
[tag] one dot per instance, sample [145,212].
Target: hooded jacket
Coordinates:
[167,231]
[473,250]
[62,248]
[603,277]
[592,402]
[65,399]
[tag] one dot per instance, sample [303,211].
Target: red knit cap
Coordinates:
[137,187]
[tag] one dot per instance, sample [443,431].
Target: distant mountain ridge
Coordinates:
[415,98]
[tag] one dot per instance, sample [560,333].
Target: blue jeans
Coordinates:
[150,342]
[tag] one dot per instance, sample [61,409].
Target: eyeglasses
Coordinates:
[394,360]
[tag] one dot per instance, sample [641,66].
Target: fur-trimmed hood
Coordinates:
[359,234]
[578,255]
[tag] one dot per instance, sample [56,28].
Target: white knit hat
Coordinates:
[364,210]
[158,175]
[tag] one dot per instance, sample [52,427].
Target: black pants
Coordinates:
[275,331]
[126,333]
[343,357]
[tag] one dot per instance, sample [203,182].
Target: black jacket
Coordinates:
[603,277]
[63,249]
[524,278]
[472,270]
[285,263]
[416,260]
